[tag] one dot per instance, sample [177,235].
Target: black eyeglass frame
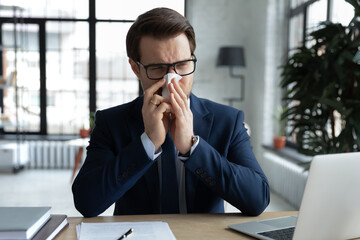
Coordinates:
[168,67]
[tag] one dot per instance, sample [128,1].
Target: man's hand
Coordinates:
[181,129]
[156,120]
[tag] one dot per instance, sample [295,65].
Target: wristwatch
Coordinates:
[194,139]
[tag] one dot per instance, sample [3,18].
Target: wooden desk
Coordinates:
[184,226]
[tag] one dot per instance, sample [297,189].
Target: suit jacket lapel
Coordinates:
[135,120]
[203,122]
[203,119]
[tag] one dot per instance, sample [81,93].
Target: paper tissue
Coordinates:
[168,77]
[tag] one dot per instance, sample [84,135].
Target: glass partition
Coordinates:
[114,9]
[21,106]
[116,83]
[47,8]
[67,74]
[342,12]
[52,61]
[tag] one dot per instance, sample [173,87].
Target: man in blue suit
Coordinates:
[178,155]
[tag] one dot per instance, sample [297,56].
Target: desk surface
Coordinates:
[184,226]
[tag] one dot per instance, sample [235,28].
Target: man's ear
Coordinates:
[135,67]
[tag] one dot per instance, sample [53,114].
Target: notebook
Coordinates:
[330,207]
[52,228]
[22,222]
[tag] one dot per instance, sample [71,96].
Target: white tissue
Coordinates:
[165,89]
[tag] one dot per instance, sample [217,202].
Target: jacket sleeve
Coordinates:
[229,168]
[109,171]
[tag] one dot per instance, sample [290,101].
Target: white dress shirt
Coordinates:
[180,169]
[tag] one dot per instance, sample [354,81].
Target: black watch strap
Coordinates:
[193,141]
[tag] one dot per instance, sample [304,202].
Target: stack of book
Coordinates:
[35,223]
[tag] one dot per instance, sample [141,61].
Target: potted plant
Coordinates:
[279,140]
[85,132]
[322,84]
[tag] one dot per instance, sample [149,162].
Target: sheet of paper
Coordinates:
[113,230]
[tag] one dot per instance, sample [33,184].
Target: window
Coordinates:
[296,3]
[305,16]
[58,81]
[114,9]
[67,71]
[48,8]
[21,107]
[116,83]
[296,32]
[316,15]
[341,12]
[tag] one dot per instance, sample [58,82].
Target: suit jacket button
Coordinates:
[199,171]
[212,183]
[208,180]
[204,175]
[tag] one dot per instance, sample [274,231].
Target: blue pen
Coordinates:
[125,235]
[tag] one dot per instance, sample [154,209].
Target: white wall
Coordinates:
[257,25]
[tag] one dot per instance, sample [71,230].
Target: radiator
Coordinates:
[286,178]
[51,154]
[13,155]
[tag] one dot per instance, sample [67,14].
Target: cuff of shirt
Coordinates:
[191,149]
[149,147]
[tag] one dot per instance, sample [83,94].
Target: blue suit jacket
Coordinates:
[117,168]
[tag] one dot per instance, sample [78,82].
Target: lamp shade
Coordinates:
[231,56]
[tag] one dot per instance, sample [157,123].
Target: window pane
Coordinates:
[21,96]
[296,32]
[116,83]
[342,12]
[67,81]
[48,8]
[316,14]
[114,9]
[295,3]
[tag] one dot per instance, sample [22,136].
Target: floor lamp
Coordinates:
[233,57]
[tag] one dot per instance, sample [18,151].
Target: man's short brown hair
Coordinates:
[158,23]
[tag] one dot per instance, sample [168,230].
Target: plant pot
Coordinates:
[279,142]
[84,133]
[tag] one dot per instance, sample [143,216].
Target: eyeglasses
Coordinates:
[158,71]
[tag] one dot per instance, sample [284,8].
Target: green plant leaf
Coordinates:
[320,79]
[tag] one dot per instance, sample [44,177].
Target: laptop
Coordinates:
[330,207]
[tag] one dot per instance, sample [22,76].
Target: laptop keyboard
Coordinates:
[281,234]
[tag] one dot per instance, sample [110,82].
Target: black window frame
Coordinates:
[92,21]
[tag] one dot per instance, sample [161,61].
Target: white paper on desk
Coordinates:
[113,230]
